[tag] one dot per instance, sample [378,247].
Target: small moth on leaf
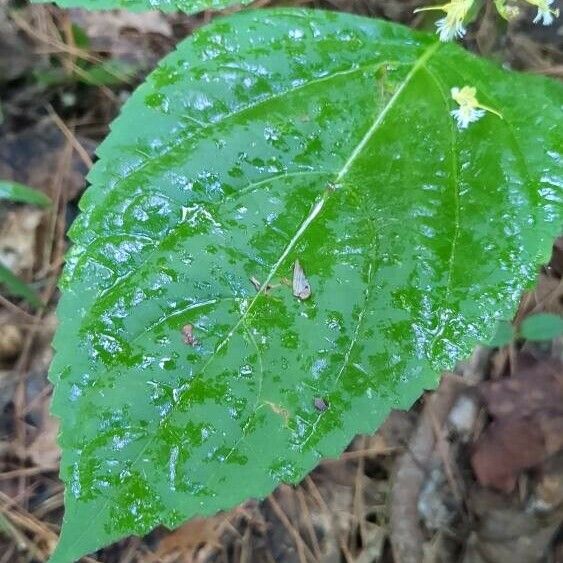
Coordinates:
[301,287]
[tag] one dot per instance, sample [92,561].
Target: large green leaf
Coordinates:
[267,138]
[185,6]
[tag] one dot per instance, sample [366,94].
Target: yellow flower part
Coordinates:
[470,109]
[545,13]
[451,25]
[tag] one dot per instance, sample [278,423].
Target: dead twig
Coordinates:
[80,150]
[303,550]
[16,310]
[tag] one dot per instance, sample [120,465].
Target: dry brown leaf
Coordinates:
[505,449]
[555,266]
[98,25]
[136,38]
[527,427]
[44,450]
[182,544]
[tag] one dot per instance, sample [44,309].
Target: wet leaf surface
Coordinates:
[265,138]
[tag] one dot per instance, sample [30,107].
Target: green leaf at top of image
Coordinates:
[193,370]
[185,6]
[542,326]
[17,287]
[18,193]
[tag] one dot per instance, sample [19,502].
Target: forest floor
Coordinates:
[472,473]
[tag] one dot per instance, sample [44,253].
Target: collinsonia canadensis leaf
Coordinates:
[185,6]
[13,191]
[266,138]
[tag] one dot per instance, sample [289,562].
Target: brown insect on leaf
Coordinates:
[301,287]
[320,404]
[188,335]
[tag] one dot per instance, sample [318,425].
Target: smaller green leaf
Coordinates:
[504,333]
[80,37]
[50,77]
[108,73]
[14,191]
[17,287]
[543,326]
